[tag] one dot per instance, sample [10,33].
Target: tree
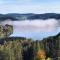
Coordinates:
[6,31]
[38,50]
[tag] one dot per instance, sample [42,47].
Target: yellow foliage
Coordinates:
[41,54]
[49,59]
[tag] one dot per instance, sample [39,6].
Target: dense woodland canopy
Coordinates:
[20,48]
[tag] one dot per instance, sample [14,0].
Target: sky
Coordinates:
[29,6]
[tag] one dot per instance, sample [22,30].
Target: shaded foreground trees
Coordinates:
[26,49]
[22,50]
[11,51]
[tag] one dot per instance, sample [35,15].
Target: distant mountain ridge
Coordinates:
[29,16]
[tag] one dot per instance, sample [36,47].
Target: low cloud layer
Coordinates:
[34,25]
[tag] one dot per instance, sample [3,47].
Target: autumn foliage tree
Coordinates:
[40,55]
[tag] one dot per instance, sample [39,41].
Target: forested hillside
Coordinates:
[29,16]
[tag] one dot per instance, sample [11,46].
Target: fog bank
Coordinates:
[33,25]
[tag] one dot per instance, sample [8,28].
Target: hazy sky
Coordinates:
[29,6]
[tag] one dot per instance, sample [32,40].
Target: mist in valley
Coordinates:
[36,29]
